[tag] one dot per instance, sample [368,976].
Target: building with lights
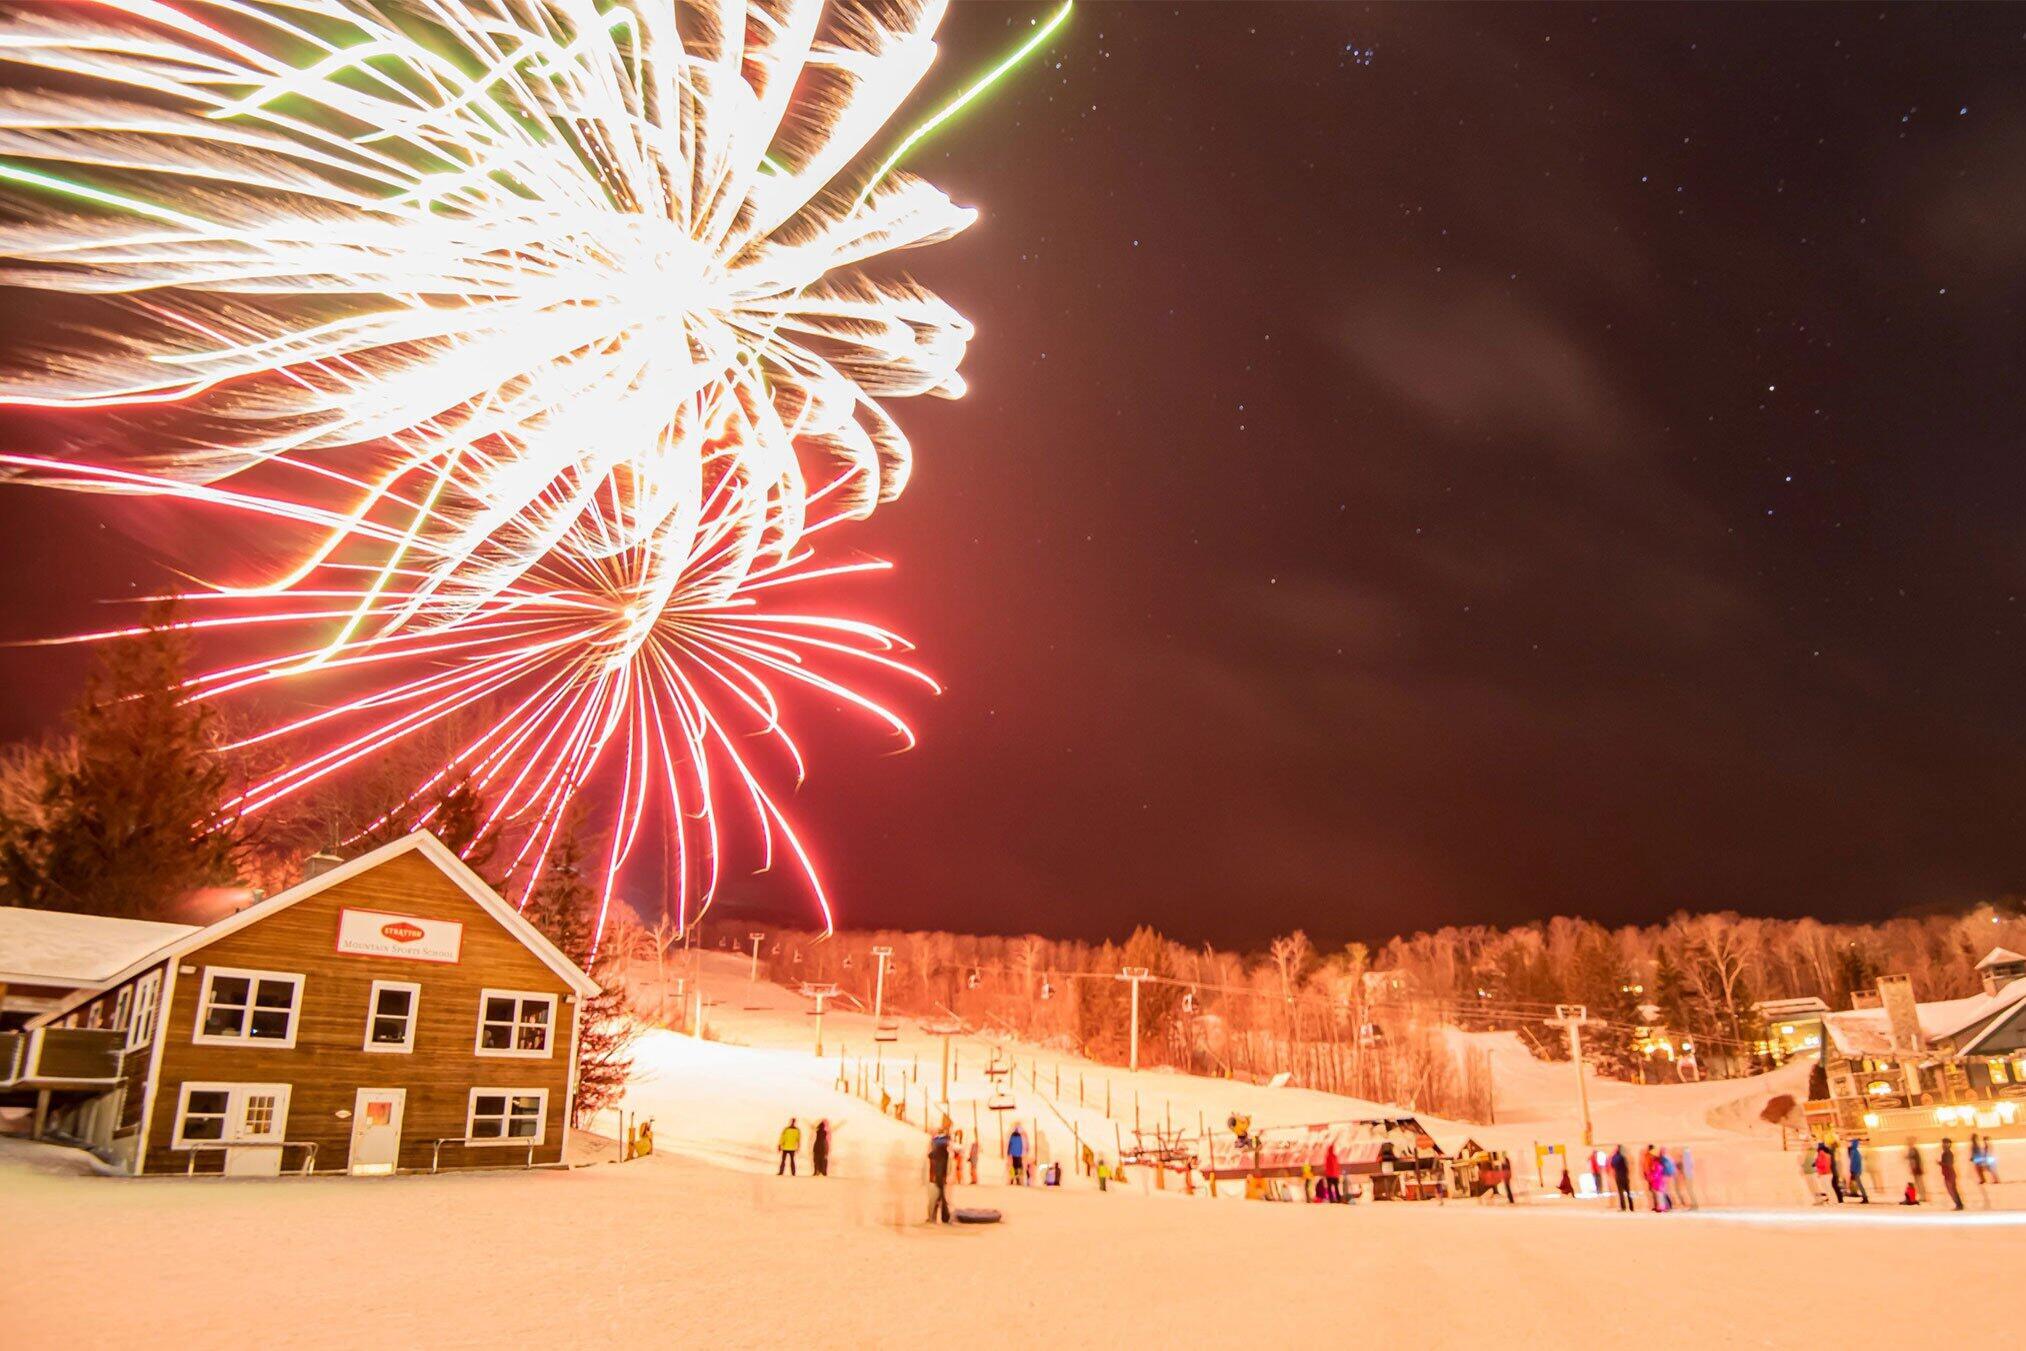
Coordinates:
[389,1014]
[1792,1027]
[1899,1069]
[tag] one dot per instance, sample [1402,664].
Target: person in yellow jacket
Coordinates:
[791,1140]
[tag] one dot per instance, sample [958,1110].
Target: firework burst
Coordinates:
[549,327]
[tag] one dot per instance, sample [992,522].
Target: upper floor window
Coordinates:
[390,1015]
[248,1006]
[147,994]
[515,1022]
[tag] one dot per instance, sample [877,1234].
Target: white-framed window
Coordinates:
[238,1006]
[230,1114]
[516,1023]
[123,1008]
[507,1116]
[147,997]
[391,1011]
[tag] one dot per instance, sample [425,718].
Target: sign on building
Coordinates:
[369,933]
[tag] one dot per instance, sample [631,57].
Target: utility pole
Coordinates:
[1135,974]
[754,939]
[1573,1017]
[879,982]
[819,993]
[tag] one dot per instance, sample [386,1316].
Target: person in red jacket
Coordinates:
[1333,1173]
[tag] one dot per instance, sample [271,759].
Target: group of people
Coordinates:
[1669,1179]
[1330,1186]
[790,1145]
[1829,1177]
[948,1154]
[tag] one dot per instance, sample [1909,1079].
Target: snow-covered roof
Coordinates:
[2000,957]
[1867,1032]
[55,947]
[1780,1008]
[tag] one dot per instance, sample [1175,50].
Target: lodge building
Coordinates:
[391,1014]
[1900,1069]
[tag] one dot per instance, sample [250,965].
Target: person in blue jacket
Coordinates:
[1857,1172]
[1016,1154]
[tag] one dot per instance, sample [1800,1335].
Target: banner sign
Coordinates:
[368,933]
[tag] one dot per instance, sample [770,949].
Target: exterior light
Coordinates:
[1871,1120]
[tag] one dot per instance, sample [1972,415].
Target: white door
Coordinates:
[376,1129]
[257,1124]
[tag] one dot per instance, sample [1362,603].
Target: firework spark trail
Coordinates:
[570,298]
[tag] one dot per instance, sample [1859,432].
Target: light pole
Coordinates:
[754,939]
[879,983]
[1573,1017]
[1135,974]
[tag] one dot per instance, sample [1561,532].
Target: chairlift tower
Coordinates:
[882,1030]
[1573,1018]
[944,1028]
[755,939]
[819,993]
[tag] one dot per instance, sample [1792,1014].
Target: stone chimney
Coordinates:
[319,863]
[1902,1015]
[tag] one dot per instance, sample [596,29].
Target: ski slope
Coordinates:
[702,1245]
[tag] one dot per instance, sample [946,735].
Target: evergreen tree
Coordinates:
[136,818]
[564,906]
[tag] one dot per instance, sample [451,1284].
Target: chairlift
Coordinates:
[847,961]
[1189,1001]
[1047,990]
[1000,1101]
[971,982]
[776,952]
[798,956]
[888,1031]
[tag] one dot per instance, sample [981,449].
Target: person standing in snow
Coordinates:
[791,1140]
[973,1152]
[1647,1176]
[1917,1170]
[1016,1154]
[1825,1174]
[1656,1179]
[1333,1173]
[1621,1177]
[1857,1172]
[1947,1164]
[819,1149]
[1685,1179]
[939,1178]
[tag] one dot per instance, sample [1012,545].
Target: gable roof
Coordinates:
[431,848]
[2000,957]
[1869,1032]
[2004,1007]
[57,947]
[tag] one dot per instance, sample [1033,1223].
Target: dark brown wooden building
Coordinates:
[393,1013]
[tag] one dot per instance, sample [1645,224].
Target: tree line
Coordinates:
[139,802]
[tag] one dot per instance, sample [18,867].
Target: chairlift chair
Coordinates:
[886,1032]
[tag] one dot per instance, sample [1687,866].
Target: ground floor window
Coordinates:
[231,1114]
[507,1116]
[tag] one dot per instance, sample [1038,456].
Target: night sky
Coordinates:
[1430,465]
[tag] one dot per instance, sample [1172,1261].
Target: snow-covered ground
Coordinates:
[702,1245]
